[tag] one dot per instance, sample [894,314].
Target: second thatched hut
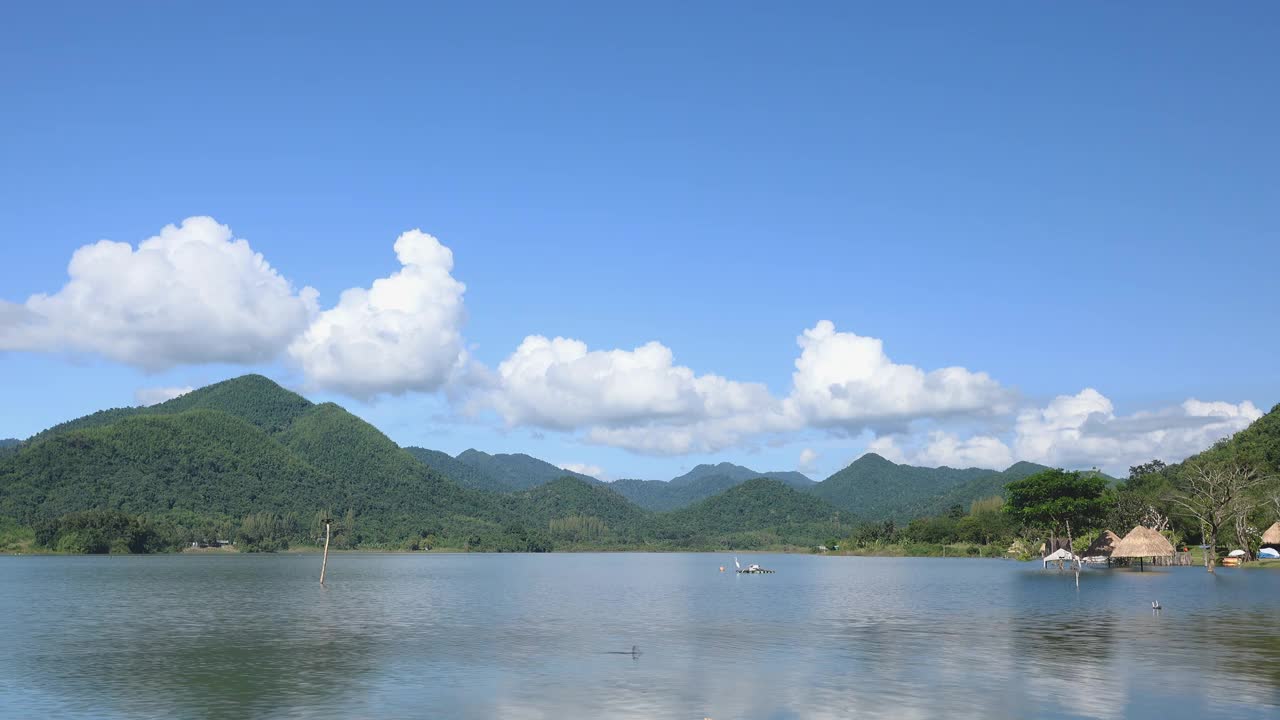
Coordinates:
[1102,547]
[1271,538]
[1142,543]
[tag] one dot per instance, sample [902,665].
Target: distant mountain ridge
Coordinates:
[247,446]
[761,510]
[517,471]
[698,484]
[739,473]
[874,488]
[457,471]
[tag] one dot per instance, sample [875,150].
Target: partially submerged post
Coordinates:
[1076,559]
[325,562]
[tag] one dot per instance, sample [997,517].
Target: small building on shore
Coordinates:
[1271,537]
[1100,550]
[1142,543]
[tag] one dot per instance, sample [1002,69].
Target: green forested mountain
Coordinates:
[874,488]
[200,461]
[385,481]
[234,448]
[457,471]
[699,483]
[569,496]
[516,471]
[248,459]
[1257,445]
[757,512]
[253,398]
[739,474]
[985,486]
[661,496]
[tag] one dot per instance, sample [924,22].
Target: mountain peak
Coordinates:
[873,459]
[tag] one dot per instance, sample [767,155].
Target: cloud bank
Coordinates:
[402,333]
[1081,430]
[192,294]
[196,294]
[157,395]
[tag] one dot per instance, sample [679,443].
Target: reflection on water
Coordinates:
[521,636]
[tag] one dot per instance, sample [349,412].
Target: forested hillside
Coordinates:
[755,513]
[248,460]
[516,471]
[238,448]
[874,488]
[200,461]
[739,474]
[1257,445]
[457,471]
[660,496]
[699,483]
[985,486]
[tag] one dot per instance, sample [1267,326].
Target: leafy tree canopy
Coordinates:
[1052,498]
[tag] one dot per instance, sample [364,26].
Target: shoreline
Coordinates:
[307,550]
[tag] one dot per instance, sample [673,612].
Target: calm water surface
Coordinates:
[525,636]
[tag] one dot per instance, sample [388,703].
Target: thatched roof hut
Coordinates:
[1272,536]
[1103,546]
[1143,542]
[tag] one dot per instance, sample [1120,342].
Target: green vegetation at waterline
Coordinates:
[250,462]
[1225,496]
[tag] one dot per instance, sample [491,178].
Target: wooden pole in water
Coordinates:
[325,562]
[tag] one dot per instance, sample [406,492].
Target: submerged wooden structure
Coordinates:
[1142,543]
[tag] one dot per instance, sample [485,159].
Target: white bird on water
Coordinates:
[1155,604]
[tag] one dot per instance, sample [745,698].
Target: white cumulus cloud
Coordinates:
[403,333]
[944,448]
[594,471]
[807,458]
[156,395]
[847,380]
[1079,431]
[643,401]
[1083,429]
[639,399]
[192,294]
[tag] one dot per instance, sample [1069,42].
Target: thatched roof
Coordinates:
[1143,542]
[1272,535]
[1103,546]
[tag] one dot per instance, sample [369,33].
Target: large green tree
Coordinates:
[1052,498]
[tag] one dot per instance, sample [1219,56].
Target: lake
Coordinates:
[528,636]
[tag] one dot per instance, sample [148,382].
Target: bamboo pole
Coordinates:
[1076,562]
[325,562]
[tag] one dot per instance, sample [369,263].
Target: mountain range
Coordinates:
[247,445]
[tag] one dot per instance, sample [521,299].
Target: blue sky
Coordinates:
[1055,198]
